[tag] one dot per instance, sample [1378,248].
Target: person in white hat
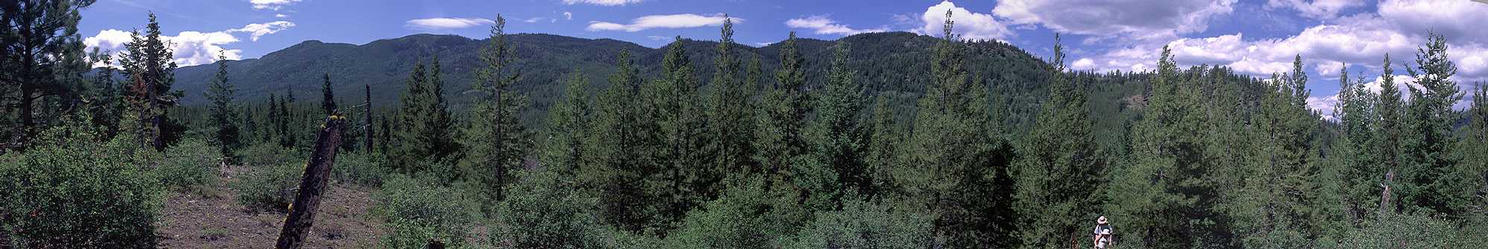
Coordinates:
[1103,236]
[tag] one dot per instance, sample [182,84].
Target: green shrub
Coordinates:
[1407,231]
[542,211]
[421,210]
[77,195]
[267,154]
[359,168]
[270,188]
[747,215]
[188,164]
[861,224]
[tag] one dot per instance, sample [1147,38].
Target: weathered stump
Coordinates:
[313,184]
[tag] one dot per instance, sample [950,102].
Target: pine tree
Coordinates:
[883,147]
[838,139]
[1278,183]
[1058,172]
[148,64]
[1158,195]
[620,150]
[224,116]
[43,50]
[105,101]
[328,102]
[423,135]
[729,117]
[683,177]
[567,128]
[952,161]
[495,140]
[778,141]
[1429,178]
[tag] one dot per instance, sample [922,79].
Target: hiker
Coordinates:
[1103,237]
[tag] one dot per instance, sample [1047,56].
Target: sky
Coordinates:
[1255,37]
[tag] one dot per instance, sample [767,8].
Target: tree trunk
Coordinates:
[312,185]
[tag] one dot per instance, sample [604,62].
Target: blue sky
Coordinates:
[1256,37]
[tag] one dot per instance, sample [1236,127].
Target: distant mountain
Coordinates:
[895,61]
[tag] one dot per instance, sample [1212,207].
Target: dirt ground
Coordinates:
[211,218]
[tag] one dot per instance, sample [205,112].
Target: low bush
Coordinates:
[863,224]
[747,215]
[269,154]
[188,164]
[418,211]
[543,211]
[77,196]
[270,189]
[359,168]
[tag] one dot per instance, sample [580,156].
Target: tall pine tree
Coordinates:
[1058,173]
[495,140]
[224,114]
[1430,180]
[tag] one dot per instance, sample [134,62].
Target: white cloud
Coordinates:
[601,2]
[823,25]
[663,21]
[188,47]
[968,25]
[271,4]
[256,30]
[567,15]
[1320,9]
[281,15]
[533,20]
[447,23]
[1112,18]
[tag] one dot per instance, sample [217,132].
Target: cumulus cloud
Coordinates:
[823,25]
[1321,9]
[1397,27]
[663,21]
[567,15]
[189,47]
[256,30]
[601,2]
[271,4]
[969,25]
[1111,18]
[447,23]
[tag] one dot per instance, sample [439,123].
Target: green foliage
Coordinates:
[78,195]
[1058,172]
[729,109]
[866,224]
[224,115]
[42,56]
[544,210]
[567,135]
[423,126]
[1431,180]
[148,66]
[682,176]
[750,214]
[359,168]
[188,164]
[495,141]
[270,154]
[778,138]
[420,210]
[270,188]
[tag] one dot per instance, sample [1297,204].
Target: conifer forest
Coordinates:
[927,138]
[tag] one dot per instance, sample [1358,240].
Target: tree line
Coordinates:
[750,158]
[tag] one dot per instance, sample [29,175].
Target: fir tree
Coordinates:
[1429,178]
[220,93]
[683,177]
[1059,175]
[423,133]
[837,138]
[619,152]
[148,63]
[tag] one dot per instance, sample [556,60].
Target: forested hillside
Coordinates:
[879,140]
